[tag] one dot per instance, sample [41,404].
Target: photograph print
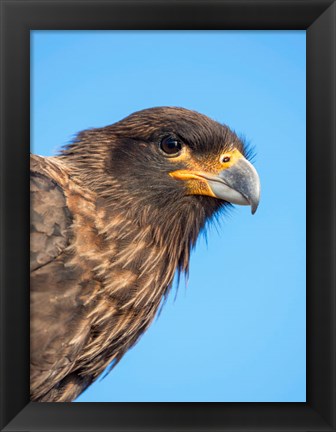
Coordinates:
[168,216]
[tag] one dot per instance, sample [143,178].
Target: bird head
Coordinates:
[168,153]
[166,156]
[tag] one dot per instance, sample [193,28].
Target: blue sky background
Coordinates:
[237,332]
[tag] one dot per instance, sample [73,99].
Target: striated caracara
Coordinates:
[113,216]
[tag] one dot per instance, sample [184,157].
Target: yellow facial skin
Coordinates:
[194,176]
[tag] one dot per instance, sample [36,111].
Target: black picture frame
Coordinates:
[318,18]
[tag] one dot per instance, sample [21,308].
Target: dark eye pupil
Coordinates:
[170,146]
[226,159]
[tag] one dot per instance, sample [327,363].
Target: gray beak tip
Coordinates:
[254,202]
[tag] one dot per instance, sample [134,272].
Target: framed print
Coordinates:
[59,50]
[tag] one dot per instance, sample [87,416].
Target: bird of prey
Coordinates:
[113,216]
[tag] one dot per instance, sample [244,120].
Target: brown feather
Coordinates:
[109,230]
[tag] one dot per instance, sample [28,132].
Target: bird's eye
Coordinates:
[170,146]
[226,159]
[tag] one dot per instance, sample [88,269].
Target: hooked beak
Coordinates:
[237,184]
